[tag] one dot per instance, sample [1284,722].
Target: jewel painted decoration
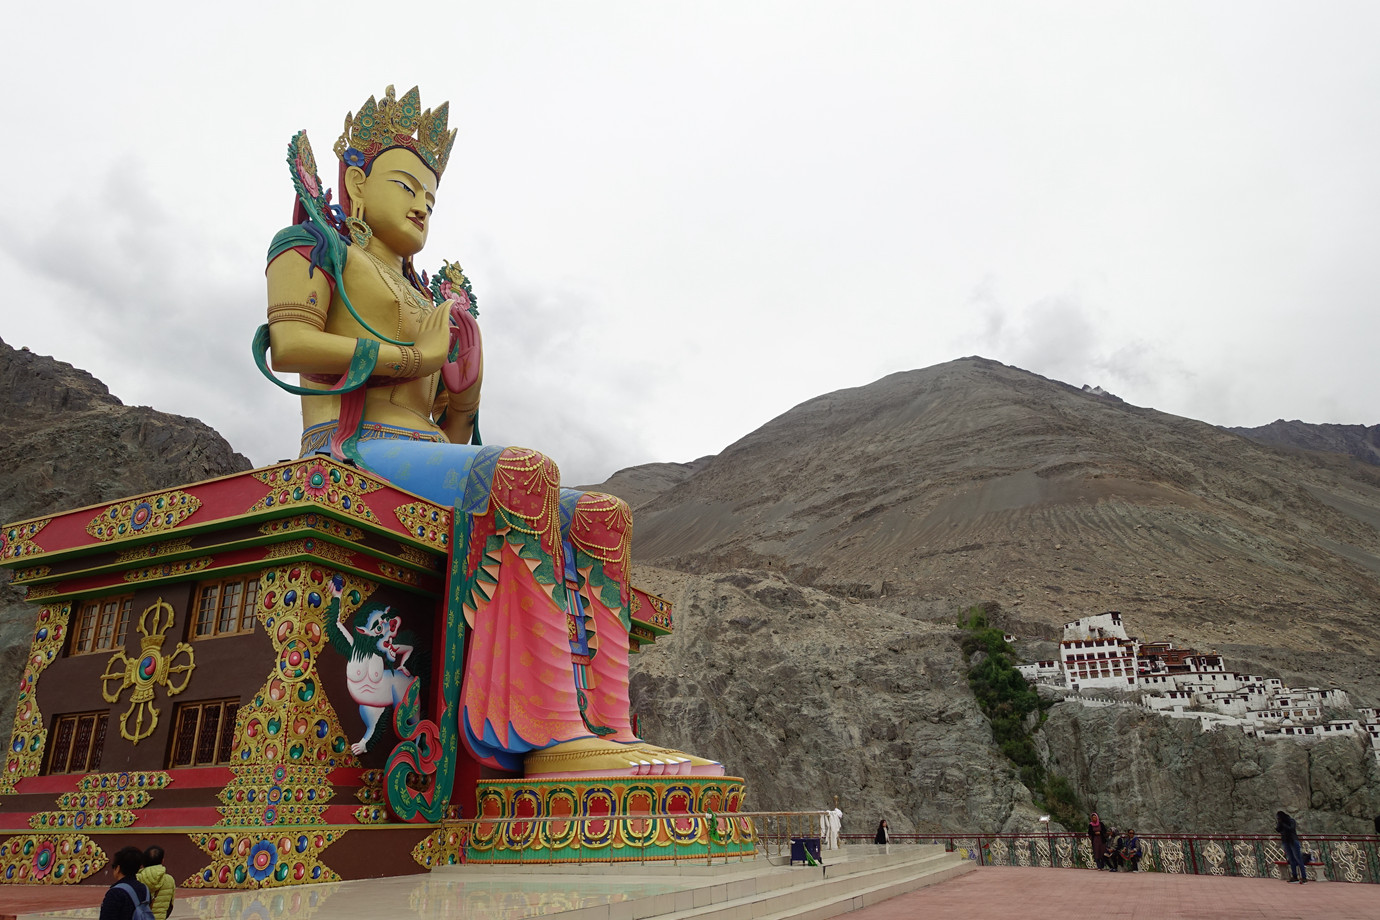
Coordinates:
[288,737]
[262,859]
[150,670]
[426,521]
[393,122]
[19,540]
[316,482]
[30,735]
[140,517]
[49,859]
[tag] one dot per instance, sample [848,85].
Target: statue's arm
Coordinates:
[457,411]
[299,300]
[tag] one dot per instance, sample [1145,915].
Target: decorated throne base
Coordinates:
[594,819]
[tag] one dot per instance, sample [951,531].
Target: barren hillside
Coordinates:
[973,479]
[819,563]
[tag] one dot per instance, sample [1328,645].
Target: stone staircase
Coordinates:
[757,889]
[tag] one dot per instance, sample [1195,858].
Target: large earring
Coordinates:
[360,232]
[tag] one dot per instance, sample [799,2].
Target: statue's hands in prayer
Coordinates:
[433,341]
[462,371]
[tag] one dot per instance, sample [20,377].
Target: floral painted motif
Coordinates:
[142,516]
[49,859]
[30,733]
[316,482]
[288,737]
[18,540]
[254,859]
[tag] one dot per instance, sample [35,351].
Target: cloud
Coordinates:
[559,377]
[174,308]
[1064,337]
[160,309]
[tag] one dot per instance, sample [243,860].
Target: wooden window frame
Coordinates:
[216,619]
[223,734]
[101,625]
[94,743]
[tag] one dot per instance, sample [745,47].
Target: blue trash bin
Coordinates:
[802,845]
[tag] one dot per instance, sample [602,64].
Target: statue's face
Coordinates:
[398,195]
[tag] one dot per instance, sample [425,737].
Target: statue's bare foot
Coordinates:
[596,757]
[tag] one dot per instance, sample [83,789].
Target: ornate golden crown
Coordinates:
[394,122]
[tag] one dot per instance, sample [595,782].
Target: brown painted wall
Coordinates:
[228,667]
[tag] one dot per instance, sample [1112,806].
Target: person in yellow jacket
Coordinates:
[160,884]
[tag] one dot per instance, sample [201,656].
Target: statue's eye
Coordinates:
[405,187]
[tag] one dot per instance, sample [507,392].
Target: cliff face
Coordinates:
[811,697]
[897,505]
[1167,775]
[66,442]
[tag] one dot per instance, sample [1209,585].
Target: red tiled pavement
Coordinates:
[994,892]
[23,899]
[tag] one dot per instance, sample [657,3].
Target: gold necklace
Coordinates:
[397,283]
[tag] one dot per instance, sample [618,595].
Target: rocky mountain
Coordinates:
[66,442]
[819,565]
[1359,441]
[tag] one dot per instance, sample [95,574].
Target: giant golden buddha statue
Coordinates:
[391,369]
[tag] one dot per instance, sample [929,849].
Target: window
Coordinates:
[101,625]
[76,742]
[204,733]
[225,608]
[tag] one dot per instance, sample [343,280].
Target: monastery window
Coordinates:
[204,733]
[76,742]
[101,625]
[225,608]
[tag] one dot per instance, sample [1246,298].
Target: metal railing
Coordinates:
[1343,857]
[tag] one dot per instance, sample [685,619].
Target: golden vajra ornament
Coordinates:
[151,669]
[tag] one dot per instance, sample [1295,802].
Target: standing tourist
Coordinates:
[1288,830]
[1097,837]
[160,884]
[127,898]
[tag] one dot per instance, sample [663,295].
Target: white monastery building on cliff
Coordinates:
[1096,654]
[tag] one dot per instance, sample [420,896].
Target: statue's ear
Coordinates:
[354,183]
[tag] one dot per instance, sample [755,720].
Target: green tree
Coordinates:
[1008,700]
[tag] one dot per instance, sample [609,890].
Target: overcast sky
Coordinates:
[682,219]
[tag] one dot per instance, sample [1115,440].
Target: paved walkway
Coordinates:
[985,894]
[995,893]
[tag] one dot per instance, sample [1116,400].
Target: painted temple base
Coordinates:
[576,828]
[220,723]
[62,830]
[591,757]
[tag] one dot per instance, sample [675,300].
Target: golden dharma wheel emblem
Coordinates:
[151,669]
